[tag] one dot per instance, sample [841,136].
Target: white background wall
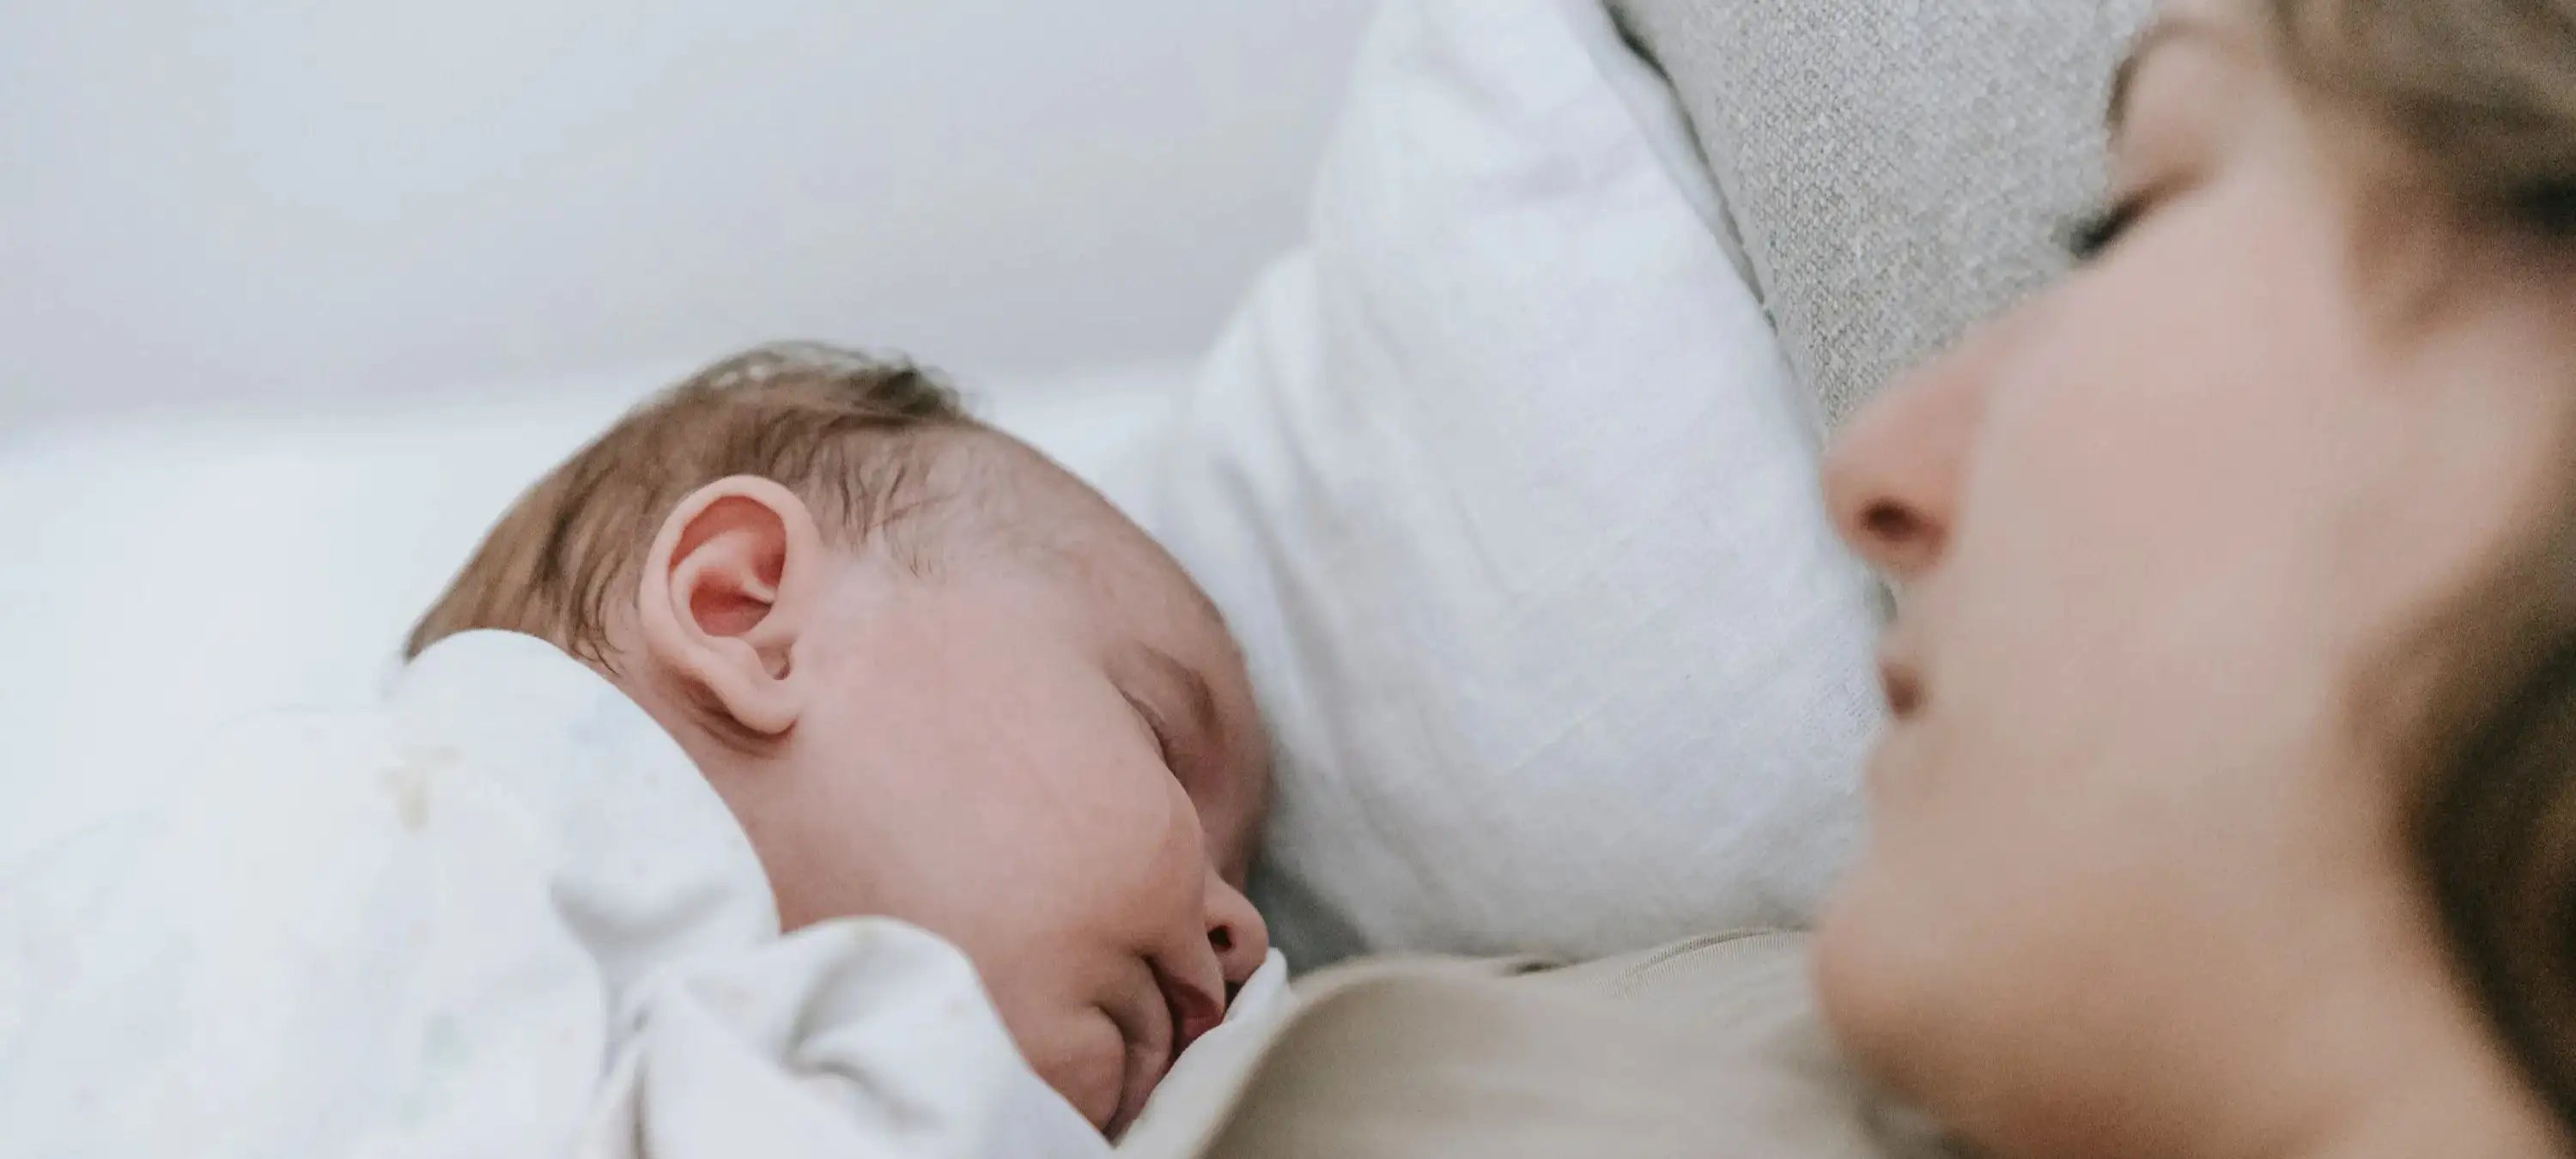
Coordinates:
[264,203]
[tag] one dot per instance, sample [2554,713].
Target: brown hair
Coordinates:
[851,434]
[2478,96]
[2474,101]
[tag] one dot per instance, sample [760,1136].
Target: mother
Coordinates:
[2230,808]
[2230,803]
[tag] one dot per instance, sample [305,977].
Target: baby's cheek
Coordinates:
[1085,1061]
[1231,832]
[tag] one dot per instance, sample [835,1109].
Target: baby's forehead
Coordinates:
[1160,639]
[1002,509]
[1020,498]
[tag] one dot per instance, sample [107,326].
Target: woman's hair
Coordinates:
[2477,96]
[2473,102]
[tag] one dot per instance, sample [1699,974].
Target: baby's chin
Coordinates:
[1142,1076]
[1089,1068]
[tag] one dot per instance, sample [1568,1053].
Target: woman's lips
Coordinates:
[1899,682]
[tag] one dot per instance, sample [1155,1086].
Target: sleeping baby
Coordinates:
[935,677]
[801,767]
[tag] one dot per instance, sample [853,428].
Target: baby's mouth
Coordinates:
[1189,1011]
[1194,1011]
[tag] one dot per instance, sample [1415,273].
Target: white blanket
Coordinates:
[503,916]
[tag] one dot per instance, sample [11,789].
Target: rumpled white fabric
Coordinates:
[1510,496]
[504,916]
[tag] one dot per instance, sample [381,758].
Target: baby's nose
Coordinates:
[1236,932]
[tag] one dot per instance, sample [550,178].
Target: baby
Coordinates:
[934,677]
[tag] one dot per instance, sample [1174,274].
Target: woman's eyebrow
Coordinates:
[2166,30]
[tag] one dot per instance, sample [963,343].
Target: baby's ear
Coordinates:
[728,587]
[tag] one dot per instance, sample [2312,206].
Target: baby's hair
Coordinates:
[852,435]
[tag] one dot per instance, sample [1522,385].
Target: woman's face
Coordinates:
[2150,534]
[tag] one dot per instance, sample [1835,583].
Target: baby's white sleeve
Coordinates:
[340,943]
[863,1037]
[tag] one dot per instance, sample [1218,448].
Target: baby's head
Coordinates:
[934,676]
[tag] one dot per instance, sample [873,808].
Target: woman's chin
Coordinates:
[1869,988]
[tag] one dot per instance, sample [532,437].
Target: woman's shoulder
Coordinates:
[1653,1053]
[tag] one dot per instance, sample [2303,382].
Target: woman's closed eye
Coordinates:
[2091,235]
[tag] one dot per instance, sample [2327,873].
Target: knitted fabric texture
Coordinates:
[1896,168]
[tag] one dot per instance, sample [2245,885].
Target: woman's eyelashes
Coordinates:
[2088,236]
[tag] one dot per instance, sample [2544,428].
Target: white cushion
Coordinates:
[1506,487]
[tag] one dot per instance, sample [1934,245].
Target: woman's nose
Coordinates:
[1892,478]
[1236,932]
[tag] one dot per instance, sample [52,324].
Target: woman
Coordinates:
[2230,807]
[2230,804]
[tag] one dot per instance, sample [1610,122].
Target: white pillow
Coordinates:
[1506,488]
